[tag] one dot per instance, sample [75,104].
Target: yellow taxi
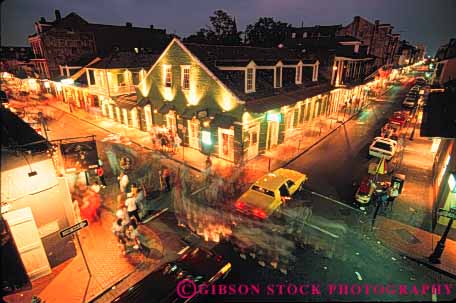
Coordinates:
[269,192]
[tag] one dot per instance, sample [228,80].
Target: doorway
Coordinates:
[193,134]
[28,242]
[252,141]
[226,143]
[171,121]
[273,134]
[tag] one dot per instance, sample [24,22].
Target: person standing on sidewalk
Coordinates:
[100,174]
[132,208]
[208,168]
[123,182]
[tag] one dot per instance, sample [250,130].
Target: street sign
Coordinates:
[72,229]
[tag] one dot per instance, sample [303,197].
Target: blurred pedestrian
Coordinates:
[177,142]
[163,142]
[100,174]
[123,182]
[132,208]
[161,180]
[171,142]
[208,168]
[167,178]
[119,230]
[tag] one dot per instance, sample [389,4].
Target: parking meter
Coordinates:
[397,180]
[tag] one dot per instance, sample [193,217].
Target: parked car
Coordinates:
[270,192]
[383,148]
[409,102]
[195,264]
[421,81]
[400,117]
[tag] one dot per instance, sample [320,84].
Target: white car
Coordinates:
[383,148]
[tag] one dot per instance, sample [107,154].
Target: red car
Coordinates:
[399,118]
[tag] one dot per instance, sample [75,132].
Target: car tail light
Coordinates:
[259,213]
[239,205]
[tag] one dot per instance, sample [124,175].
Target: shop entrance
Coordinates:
[273,134]
[226,143]
[28,242]
[193,134]
[252,141]
[171,121]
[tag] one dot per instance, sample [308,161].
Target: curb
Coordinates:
[138,144]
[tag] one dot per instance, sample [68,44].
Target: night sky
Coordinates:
[431,22]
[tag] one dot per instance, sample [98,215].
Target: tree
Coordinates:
[266,32]
[222,31]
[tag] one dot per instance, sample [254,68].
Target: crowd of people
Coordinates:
[165,139]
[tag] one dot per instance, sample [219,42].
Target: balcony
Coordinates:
[112,91]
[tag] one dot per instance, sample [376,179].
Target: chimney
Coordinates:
[151,26]
[128,24]
[42,20]
[58,17]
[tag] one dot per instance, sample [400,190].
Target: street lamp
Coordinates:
[438,251]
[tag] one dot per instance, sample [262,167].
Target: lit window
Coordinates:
[168,76]
[304,35]
[298,74]
[250,86]
[293,35]
[278,77]
[185,80]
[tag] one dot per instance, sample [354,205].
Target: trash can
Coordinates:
[398,180]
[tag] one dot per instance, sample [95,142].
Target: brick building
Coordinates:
[446,63]
[72,38]
[381,42]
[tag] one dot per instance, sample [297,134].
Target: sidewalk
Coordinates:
[105,262]
[296,142]
[416,243]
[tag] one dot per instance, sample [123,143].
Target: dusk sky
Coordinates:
[426,21]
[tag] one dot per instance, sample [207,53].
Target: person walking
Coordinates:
[123,182]
[132,208]
[119,230]
[167,178]
[208,168]
[100,174]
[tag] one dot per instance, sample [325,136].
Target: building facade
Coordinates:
[72,38]
[234,102]
[445,69]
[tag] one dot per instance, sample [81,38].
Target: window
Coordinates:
[120,79]
[135,78]
[298,79]
[290,183]
[293,35]
[263,190]
[284,191]
[250,80]
[278,77]
[304,35]
[168,76]
[185,80]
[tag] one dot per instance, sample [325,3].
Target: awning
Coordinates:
[126,101]
[223,121]
[143,101]
[165,108]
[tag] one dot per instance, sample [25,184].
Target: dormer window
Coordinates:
[167,76]
[249,80]
[298,78]
[278,76]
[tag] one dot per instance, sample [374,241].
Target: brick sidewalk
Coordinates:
[415,243]
[105,261]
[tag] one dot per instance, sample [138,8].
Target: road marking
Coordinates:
[156,215]
[183,250]
[334,200]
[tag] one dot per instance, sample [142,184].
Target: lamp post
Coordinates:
[438,251]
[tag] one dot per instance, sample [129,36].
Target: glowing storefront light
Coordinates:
[68,81]
[444,168]
[452,182]
[273,117]
[206,137]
